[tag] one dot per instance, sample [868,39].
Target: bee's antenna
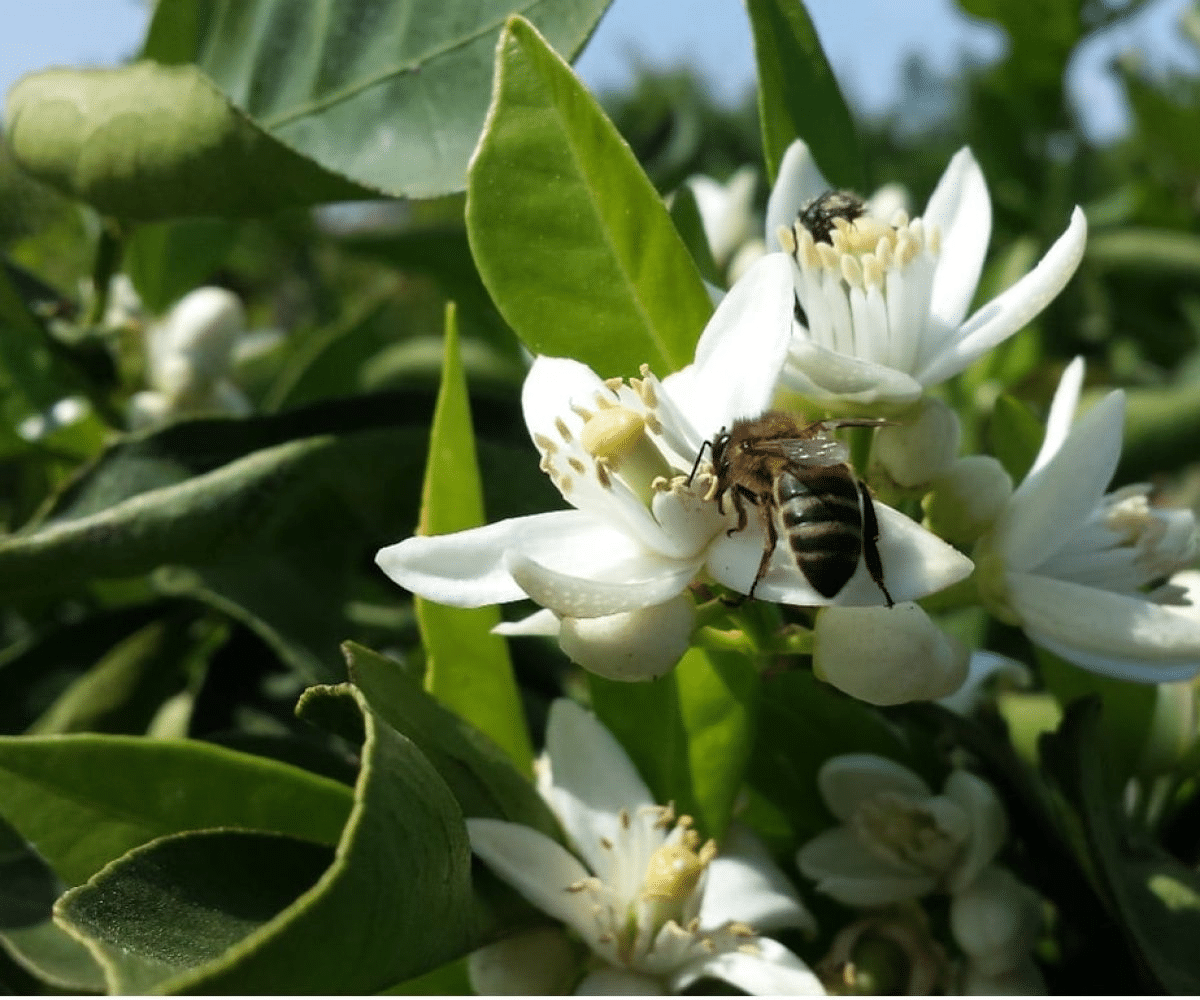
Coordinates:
[696,464]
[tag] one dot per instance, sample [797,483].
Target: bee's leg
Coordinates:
[871,541]
[739,494]
[768,550]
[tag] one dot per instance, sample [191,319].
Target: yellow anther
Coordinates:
[787,239]
[564,431]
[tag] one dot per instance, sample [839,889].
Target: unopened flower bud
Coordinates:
[967,498]
[887,656]
[634,645]
[921,448]
[537,963]
[202,327]
[996,921]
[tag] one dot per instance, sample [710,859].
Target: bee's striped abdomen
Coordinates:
[820,516]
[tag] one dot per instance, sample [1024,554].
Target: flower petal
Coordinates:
[592,780]
[541,962]
[1051,503]
[1117,635]
[637,645]
[852,778]
[537,867]
[466,569]
[1061,416]
[741,352]
[769,970]
[544,622]
[826,376]
[612,981]
[550,388]
[844,869]
[745,884]
[1013,308]
[630,581]
[962,211]
[799,181]
[915,563]
[989,825]
[983,666]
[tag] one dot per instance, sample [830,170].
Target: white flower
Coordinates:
[886,298]
[967,498]
[659,909]
[887,656]
[898,840]
[622,454]
[1072,565]
[67,411]
[726,211]
[188,358]
[996,922]
[922,448]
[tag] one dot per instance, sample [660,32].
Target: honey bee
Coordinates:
[817,216]
[799,475]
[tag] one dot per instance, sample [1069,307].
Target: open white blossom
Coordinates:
[885,298]
[898,840]
[1073,565]
[189,355]
[658,909]
[622,453]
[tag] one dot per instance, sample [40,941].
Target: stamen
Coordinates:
[577,465]
[852,272]
[545,444]
[787,239]
[614,383]
[564,431]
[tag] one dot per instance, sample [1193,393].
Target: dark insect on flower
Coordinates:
[800,479]
[818,215]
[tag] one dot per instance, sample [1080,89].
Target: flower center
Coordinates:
[896,828]
[865,284]
[616,437]
[672,875]
[1164,540]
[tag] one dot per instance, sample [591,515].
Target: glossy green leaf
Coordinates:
[570,237]
[802,723]
[467,667]
[85,800]
[1016,436]
[186,899]
[798,96]
[148,141]
[689,732]
[1154,897]
[390,93]
[395,902]
[482,778]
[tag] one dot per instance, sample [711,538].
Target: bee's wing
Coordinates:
[806,451]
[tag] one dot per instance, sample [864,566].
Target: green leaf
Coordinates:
[29,382]
[28,888]
[1016,436]
[82,801]
[146,141]
[802,723]
[1150,251]
[391,94]
[685,213]
[798,96]
[467,667]
[184,900]
[395,902]
[1161,429]
[482,778]
[689,732]
[1154,897]
[569,235]
[166,260]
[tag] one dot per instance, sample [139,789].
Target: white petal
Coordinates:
[983,666]
[1112,634]
[961,209]
[825,376]
[637,645]
[630,581]
[1051,503]
[773,971]
[544,622]
[466,569]
[844,869]
[799,182]
[996,920]
[1013,308]
[745,884]
[591,780]
[537,867]
[741,352]
[852,778]
[1061,415]
[915,563]
[540,962]
[612,981]
[989,825]
[550,388]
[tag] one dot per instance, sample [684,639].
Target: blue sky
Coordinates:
[866,41]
